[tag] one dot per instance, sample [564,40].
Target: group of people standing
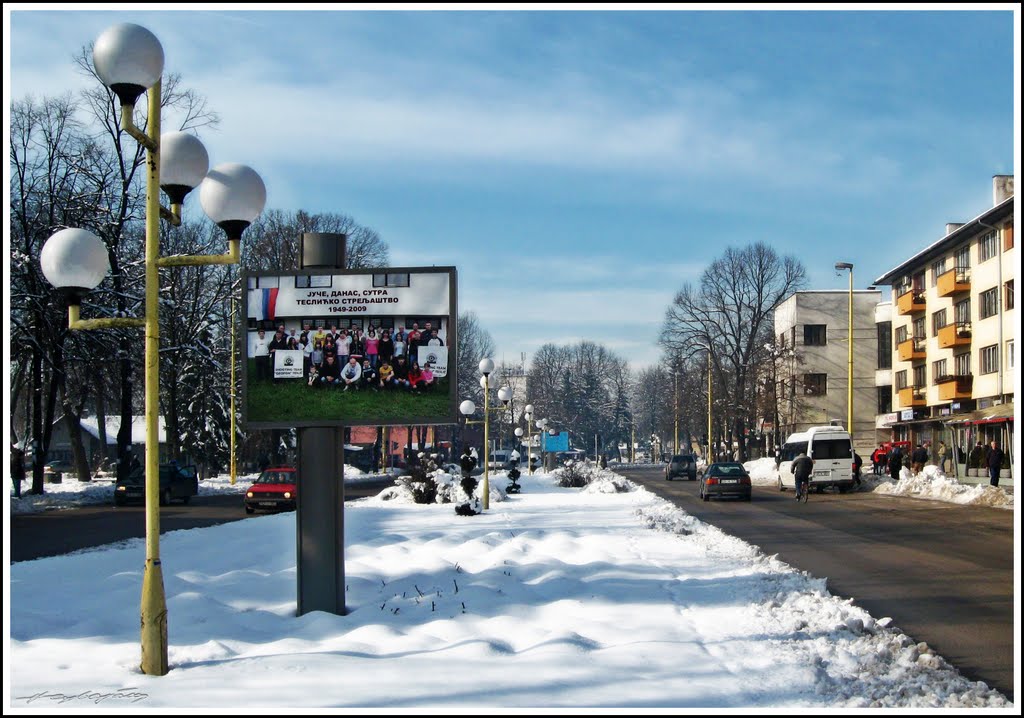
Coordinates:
[380,358]
[893,460]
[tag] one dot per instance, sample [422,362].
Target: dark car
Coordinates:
[683,466]
[176,482]
[275,489]
[725,479]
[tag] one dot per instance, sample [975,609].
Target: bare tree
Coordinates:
[729,315]
[272,241]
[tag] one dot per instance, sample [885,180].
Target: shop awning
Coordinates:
[1002,412]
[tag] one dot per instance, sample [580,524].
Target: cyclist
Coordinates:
[801,467]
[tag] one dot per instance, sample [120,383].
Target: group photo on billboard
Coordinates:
[352,347]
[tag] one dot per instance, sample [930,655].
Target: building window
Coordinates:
[884,330]
[884,399]
[963,257]
[1008,238]
[901,335]
[901,380]
[1008,295]
[963,364]
[816,384]
[990,359]
[987,247]
[962,311]
[391,280]
[919,283]
[938,268]
[938,321]
[989,303]
[814,335]
[920,380]
[1009,356]
[919,331]
[939,370]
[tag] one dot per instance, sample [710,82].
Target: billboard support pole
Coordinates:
[320,508]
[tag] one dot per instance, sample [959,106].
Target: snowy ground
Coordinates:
[601,597]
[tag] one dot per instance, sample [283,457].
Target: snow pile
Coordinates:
[762,471]
[933,484]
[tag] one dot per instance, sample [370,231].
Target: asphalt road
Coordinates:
[53,533]
[943,572]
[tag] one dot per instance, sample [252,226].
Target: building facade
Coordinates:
[813,330]
[954,330]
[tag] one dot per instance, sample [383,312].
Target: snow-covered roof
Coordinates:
[91,425]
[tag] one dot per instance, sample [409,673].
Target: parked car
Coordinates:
[682,465]
[60,467]
[725,479]
[275,489]
[176,482]
[832,451]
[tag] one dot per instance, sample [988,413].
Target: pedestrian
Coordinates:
[801,469]
[918,459]
[942,457]
[995,463]
[895,462]
[878,459]
[857,461]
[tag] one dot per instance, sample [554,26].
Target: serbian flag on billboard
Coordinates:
[263,303]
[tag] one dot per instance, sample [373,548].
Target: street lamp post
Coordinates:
[129,60]
[467,408]
[528,416]
[849,349]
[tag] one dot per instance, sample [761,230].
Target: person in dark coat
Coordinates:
[801,468]
[857,463]
[918,459]
[895,463]
[995,463]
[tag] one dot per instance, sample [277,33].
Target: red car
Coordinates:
[274,490]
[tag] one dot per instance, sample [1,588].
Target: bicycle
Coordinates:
[803,490]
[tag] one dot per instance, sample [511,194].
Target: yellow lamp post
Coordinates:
[849,349]
[129,60]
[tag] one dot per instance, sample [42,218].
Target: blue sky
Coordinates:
[579,166]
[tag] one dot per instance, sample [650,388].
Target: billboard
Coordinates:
[329,347]
[555,442]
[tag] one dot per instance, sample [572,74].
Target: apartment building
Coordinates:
[813,331]
[954,329]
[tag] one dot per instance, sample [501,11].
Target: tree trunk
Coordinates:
[101,427]
[73,421]
[38,457]
[124,433]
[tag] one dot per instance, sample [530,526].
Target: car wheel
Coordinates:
[250,510]
[750,497]
[185,499]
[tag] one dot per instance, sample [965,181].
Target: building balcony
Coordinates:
[910,302]
[954,387]
[953,282]
[913,396]
[955,335]
[911,349]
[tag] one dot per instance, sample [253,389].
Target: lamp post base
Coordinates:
[154,620]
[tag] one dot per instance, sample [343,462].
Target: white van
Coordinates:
[499,459]
[832,451]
